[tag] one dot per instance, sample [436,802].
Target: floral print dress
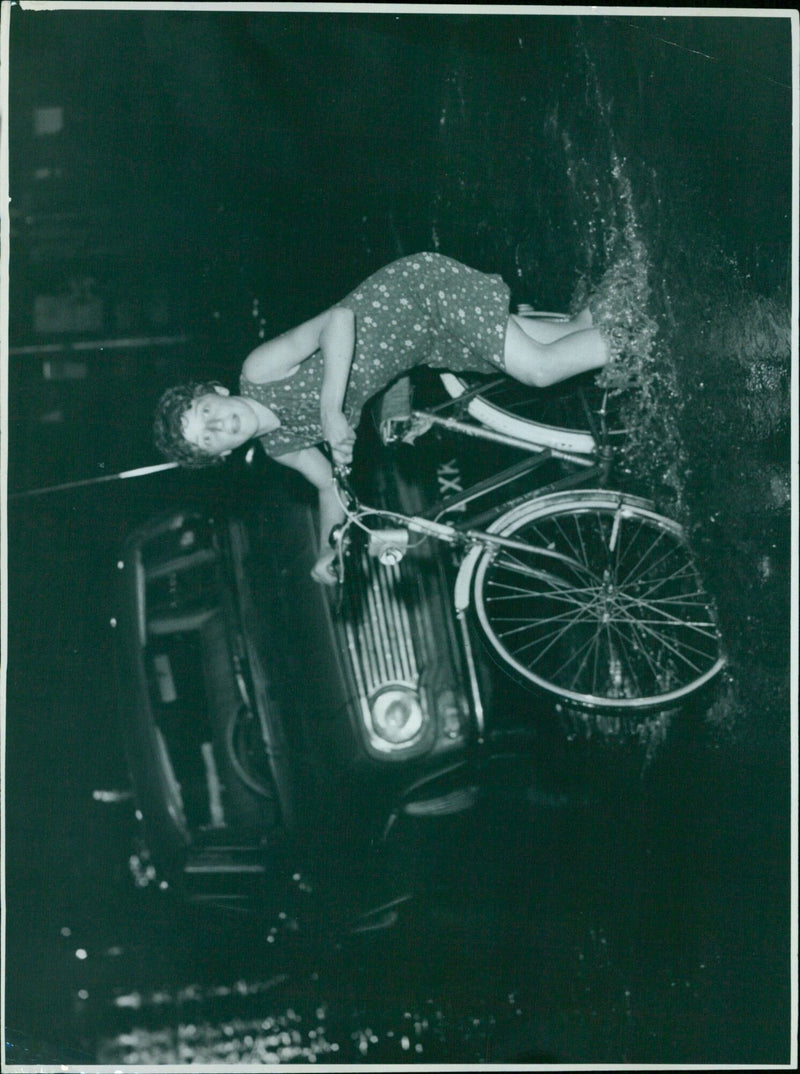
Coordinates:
[426,309]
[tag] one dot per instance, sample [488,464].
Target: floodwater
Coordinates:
[627,899]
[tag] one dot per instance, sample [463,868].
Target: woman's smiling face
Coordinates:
[217,422]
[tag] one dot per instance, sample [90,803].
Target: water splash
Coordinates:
[645,733]
[617,288]
[281,1038]
[617,279]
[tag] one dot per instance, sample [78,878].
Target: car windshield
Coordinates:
[198,681]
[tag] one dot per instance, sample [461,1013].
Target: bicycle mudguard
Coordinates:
[494,417]
[583,496]
[462,587]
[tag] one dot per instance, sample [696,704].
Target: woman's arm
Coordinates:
[313,465]
[337,342]
[334,333]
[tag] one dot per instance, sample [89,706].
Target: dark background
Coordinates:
[217,177]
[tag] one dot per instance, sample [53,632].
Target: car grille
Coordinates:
[387,619]
[397,630]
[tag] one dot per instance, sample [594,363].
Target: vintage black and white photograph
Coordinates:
[400,481]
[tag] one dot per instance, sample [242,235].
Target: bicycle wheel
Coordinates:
[565,416]
[604,609]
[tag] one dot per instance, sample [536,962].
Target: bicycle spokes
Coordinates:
[620,617]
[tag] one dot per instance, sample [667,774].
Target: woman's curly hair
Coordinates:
[168,425]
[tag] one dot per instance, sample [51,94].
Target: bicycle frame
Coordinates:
[603,581]
[467,533]
[587,468]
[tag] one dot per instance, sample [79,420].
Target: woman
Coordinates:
[310,384]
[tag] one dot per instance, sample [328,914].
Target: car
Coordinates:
[265,716]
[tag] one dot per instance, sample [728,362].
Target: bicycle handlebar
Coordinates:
[341,476]
[336,534]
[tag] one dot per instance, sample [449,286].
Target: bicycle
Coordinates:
[560,417]
[587,594]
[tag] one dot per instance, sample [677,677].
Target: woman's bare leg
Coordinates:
[540,364]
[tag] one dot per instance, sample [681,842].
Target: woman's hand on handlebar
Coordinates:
[340,436]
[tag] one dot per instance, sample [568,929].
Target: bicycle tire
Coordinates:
[554,417]
[551,417]
[607,613]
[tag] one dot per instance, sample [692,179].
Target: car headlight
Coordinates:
[397,718]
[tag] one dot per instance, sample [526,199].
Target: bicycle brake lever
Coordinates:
[341,476]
